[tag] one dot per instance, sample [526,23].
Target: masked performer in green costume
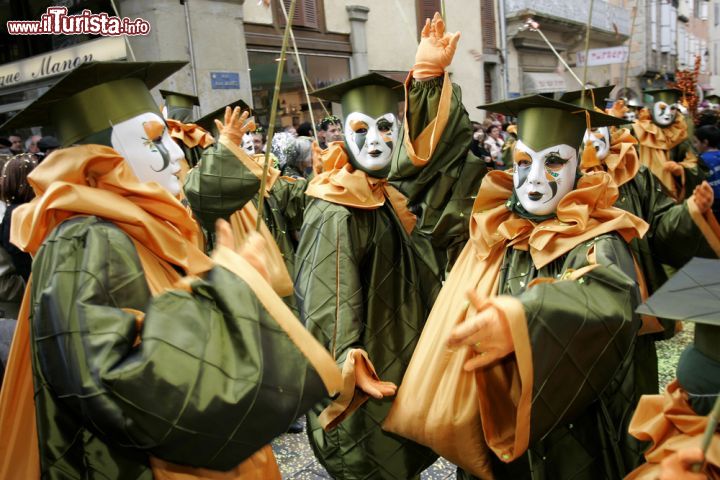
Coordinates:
[677,231]
[366,272]
[533,375]
[278,217]
[659,133]
[143,351]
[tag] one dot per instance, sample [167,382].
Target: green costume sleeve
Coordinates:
[673,237]
[290,198]
[327,284]
[581,331]
[695,169]
[190,391]
[442,192]
[219,185]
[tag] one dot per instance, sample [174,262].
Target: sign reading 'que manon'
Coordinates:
[61,61]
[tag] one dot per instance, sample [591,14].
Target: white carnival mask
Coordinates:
[543,178]
[371,140]
[600,138]
[664,114]
[152,154]
[247,144]
[630,116]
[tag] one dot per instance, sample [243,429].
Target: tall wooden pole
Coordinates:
[273,112]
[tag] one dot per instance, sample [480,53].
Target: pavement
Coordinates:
[297,462]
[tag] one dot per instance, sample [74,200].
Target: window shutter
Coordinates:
[306,13]
[487,15]
[310,13]
[426,9]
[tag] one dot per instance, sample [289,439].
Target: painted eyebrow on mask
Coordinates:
[519,155]
[555,156]
[358,125]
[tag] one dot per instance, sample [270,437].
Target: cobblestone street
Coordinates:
[297,462]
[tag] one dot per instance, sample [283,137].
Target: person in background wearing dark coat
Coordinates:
[14,191]
[478,145]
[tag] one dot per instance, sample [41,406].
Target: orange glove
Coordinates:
[674,168]
[486,332]
[366,379]
[703,196]
[252,250]
[235,127]
[677,466]
[436,49]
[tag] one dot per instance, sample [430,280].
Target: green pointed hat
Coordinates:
[577,97]
[179,105]
[208,121]
[95,96]
[544,122]
[372,94]
[667,95]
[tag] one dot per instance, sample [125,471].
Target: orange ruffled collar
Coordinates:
[96,180]
[189,134]
[342,184]
[582,214]
[654,136]
[622,163]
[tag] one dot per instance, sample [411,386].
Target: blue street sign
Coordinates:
[224,80]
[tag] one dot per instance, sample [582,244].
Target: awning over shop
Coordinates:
[541,82]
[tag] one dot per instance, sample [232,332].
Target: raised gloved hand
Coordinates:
[252,250]
[486,332]
[235,126]
[703,196]
[436,49]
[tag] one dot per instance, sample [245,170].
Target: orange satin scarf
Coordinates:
[342,184]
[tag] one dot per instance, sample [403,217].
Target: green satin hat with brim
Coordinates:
[179,105]
[208,121]
[544,122]
[667,95]
[94,97]
[372,94]
[584,98]
[713,98]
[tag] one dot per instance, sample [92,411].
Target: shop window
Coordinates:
[425,9]
[321,71]
[307,14]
